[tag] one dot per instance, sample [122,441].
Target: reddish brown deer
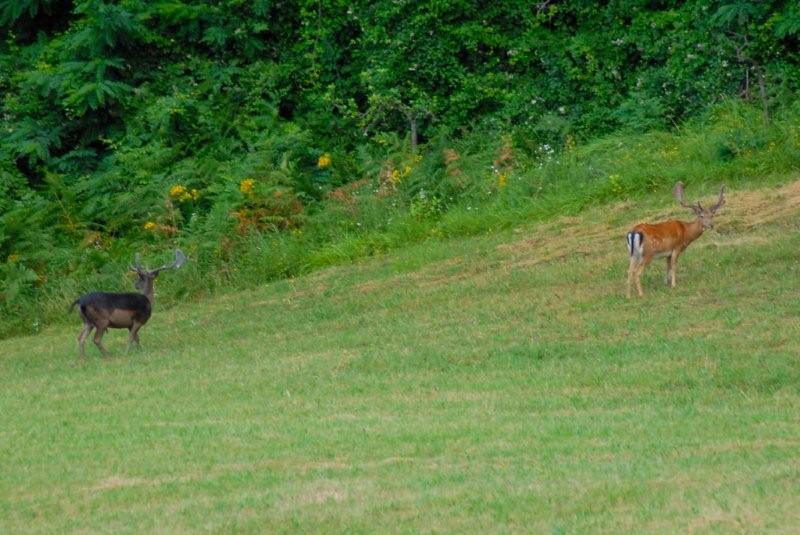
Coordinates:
[103,310]
[669,239]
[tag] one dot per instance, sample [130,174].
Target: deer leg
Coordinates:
[674,261]
[98,339]
[130,340]
[87,329]
[639,270]
[134,336]
[669,268]
[638,276]
[631,270]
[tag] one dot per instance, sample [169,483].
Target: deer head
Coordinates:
[705,215]
[146,276]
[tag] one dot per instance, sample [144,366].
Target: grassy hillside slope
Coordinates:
[495,383]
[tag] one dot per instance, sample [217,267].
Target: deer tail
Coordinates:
[635,244]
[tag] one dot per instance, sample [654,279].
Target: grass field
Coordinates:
[493,384]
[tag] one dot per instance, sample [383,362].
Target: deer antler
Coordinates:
[137,265]
[180,259]
[678,192]
[720,201]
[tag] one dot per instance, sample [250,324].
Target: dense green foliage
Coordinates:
[269,137]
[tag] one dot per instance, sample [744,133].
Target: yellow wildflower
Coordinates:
[177,191]
[324,161]
[150,225]
[246,186]
[395,177]
[13,257]
[502,179]
[195,194]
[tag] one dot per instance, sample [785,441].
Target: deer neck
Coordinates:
[694,230]
[149,292]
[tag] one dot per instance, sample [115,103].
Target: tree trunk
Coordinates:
[412,121]
[762,89]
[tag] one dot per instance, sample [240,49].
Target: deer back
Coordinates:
[116,309]
[667,235]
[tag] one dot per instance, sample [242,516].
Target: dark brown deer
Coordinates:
[104,310]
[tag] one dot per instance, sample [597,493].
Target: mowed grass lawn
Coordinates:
[493,384]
